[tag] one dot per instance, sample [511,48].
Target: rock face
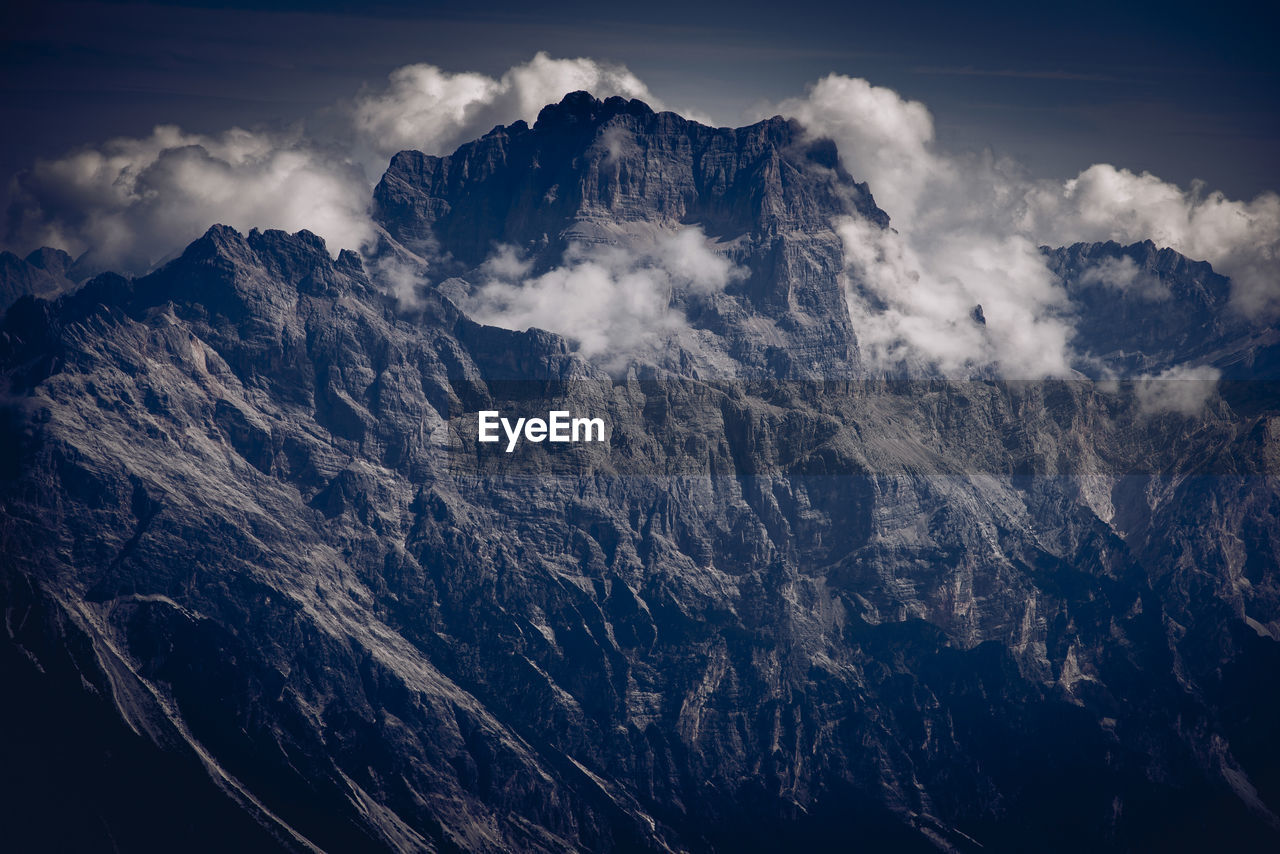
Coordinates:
[248,550]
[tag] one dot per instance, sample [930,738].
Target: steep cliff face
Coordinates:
[249,540]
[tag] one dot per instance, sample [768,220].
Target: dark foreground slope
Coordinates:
[260,590]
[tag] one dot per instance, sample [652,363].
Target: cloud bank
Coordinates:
[960,301]
[131,203]
[914,291]
[967,228]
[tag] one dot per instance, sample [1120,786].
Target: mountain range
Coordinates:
[262,589]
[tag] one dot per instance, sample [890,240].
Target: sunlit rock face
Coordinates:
[251,550]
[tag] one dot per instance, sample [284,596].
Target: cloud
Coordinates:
[428,109]
[617,142]
[615,302]
[913,291]
[1241,239]
[882,138]
[1124,275]
[1183,390]
[400,278]
[133,202]
[917,302]
[130,203]
[967,228]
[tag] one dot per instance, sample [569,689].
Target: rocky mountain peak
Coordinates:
[53,261]
[1141,308]
[578,109]
[586,164]
[237,274]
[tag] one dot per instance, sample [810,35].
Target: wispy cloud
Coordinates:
[1180,390]
[615,302]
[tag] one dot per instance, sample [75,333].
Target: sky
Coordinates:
[984,132]
[1184,90]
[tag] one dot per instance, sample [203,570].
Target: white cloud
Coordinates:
[428,109]
[133,202]
[1181,389]
[882,138]
[615,302]
[400,278]
[967,228]
[915,303]
[616,141]
[1241,239]
[913,290]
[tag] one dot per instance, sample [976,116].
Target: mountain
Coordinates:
[45,273]
[263,588]
[1141,308]
[592,172]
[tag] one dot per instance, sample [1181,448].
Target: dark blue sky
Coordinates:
[1183,90]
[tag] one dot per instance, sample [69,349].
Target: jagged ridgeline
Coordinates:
[262,590]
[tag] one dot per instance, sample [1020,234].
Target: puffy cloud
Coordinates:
[1241,239]
[967,228]
[131,202]
[882,138]
[432,110]
[614,301]
[914,302]
[914,290]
